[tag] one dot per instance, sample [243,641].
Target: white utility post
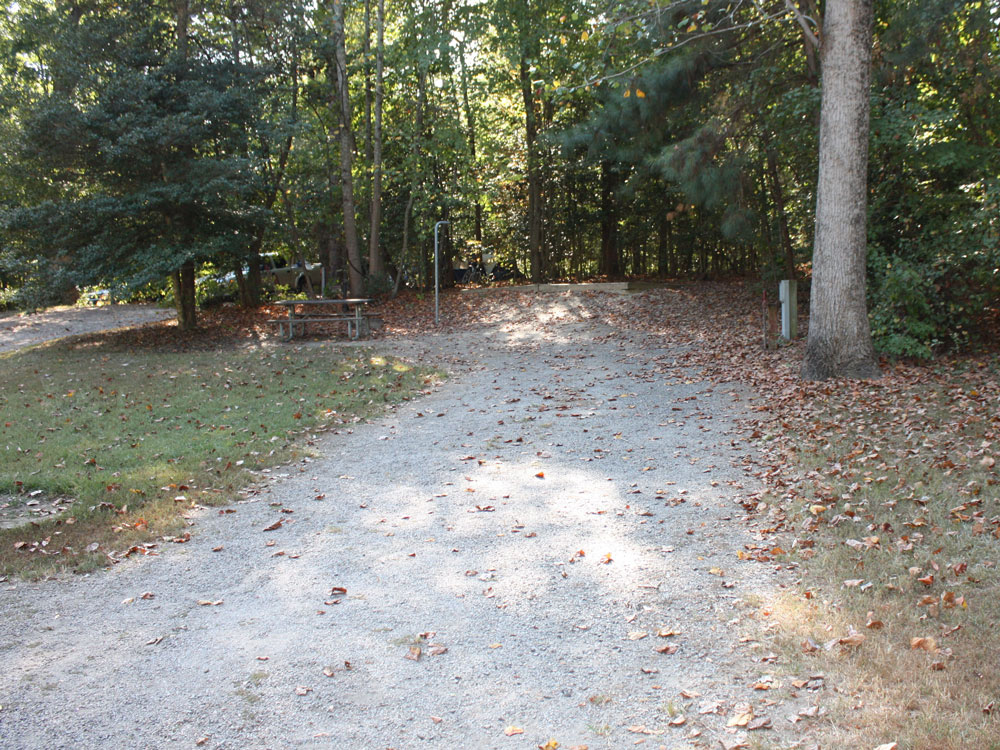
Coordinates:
[788,295]
[437,278]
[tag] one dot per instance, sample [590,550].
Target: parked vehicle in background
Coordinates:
[275,270]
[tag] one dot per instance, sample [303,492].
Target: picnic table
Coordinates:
[303,311]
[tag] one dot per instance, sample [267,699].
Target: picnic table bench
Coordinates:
[304,311]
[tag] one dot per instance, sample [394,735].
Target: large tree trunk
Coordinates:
[347,155]
[183,286]
[375,265]
[839,343]
[534,178]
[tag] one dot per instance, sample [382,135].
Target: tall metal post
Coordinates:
[437,278]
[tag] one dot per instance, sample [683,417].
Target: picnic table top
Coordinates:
[293,302]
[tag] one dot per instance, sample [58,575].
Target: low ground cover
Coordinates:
[136,436]
[882,501]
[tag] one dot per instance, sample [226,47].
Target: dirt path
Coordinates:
[564,492]
[18,331]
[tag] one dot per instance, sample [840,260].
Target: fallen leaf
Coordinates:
[927,644]
[669,648]
[303,690]
[853,640]
[273,526]
[741,716]
[512,730]
[637,635]
[413,654]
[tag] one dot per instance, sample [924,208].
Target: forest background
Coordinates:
[149,144]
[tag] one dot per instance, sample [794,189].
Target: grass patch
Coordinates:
[136,439]
[896,519]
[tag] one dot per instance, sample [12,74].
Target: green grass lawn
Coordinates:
[136,438]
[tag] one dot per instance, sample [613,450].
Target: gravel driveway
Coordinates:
[17,331]
[486,567]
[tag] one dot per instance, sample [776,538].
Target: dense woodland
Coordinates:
[149,143]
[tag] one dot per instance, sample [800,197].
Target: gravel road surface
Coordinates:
[17,331]
[488,566]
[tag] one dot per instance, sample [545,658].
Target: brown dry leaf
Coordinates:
[677,721]
[742,714]
[550,745]
[512,730]
[888,746]
[338,590]
[927,644]
[606,559]
[761,722]
[641,729]
[716,572]
[669,648]
[710,707]
[209,603]
[413,654]
[436,719]
[201,741]
[667,632]
[436,649]
[273,526]
[328,671]
[733,743]
[303,690]
[637,635]
[852,641]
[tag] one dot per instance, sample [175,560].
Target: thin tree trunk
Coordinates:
[183,279]
[778,196]
[400,267]
[610,265]
[375,265]
[366,53]
[346,154]
[839,343]
[470,125]
[534,179]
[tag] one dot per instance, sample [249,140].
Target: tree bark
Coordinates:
[346,154]
[839,343]
[182,279]
[610,265]
[183,286]
[534,178]
[470,125]
[375,265]
[778,196]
